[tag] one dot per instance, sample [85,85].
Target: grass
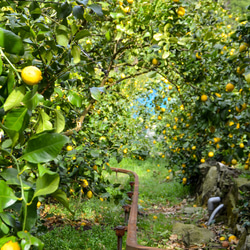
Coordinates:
[101,217]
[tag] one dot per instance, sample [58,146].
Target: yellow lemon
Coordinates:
[31,75]
[229,87]
[198,55]
[202,160]
[234,161]
[155,61]
[130,1]
[211,154]
[204,98]
[184,180]
[181,11]
[10,245]
[89,194]
[69,148]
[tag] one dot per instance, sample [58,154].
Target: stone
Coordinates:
[243,184]
[192,210]
[209,185]
[192,234]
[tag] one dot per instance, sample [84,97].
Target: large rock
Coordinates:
[192,234]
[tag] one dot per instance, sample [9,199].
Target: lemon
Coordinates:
[69,148]
[125,151]
[229,87]
[222,238]
[246,167]
[204,98]
[184,180]
[243,47]
[234,162]
[167,177]
[242,145]
[155,61]
[240,71]
[159,117]
[89,194]
[198,55]
[31,75]
[181,11]
[130,1]
[232,238]
[202,160]
[247,77]
[211,154]
[10,245]
[38,204]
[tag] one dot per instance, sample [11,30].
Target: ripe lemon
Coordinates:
[246,167]
[89,194]
[242,145]
[31,75]
[69,148]
[247,77]
[38,204]
[211,154]
[204,98]
[181,11]
[159,118]
[184,180]
[234,162]
[155,61]
[130,1]
[10,245]
[229,87]
[176,1]
[222,238]
[243,47]
[240,71]
[232,238]
[198,55]
[167,177]
[125,151]
[202,160]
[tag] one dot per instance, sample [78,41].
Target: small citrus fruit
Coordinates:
[211,154]
[234,161]
[69,148]
[130,1]
[232,238]
[155,61]
[31,75]
[242,145]
[10,245]
[204,98]
[229,87]
[89,194]
[181,11]
[184,180]
[222,238]
[198,55]
[202,160]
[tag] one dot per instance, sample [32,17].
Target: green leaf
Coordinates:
[96,92]
[1,66]
[62,198]
[108,36]
[14,135]
[7,196]
[8,219]
[96,8]
[44,147]
[43,122]
[81,34]
[75,99]
[78,12]
[29,240]
[11,43]
[62,38]
[47,184]
[35,10]
[60,121]
[64,10]
[76,53]
[16,119]
[31,99]
[3,228]
[14,99]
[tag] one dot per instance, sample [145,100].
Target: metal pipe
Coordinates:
[211,204]
[216,210]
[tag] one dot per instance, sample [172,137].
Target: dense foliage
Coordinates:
[99,62]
